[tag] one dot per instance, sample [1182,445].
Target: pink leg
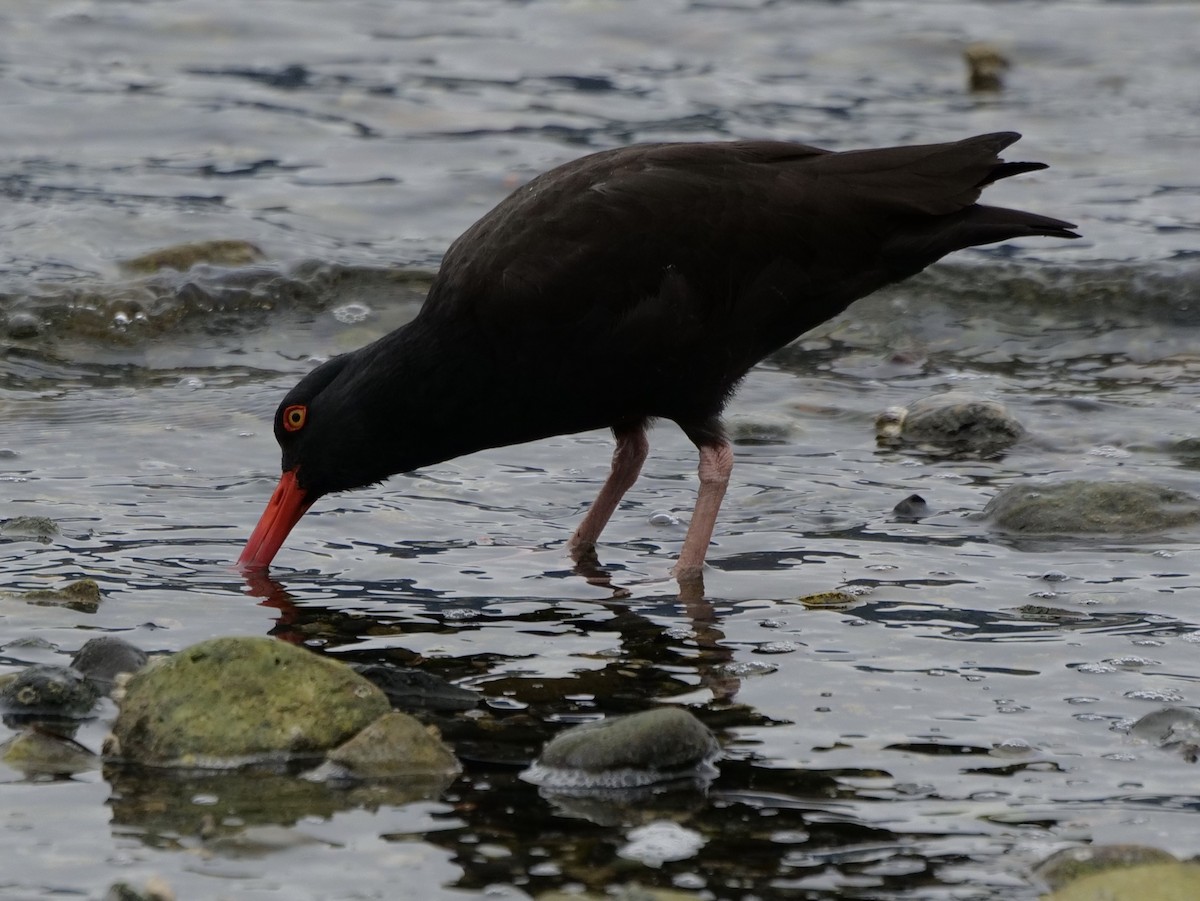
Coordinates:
[628,457]
[716,463]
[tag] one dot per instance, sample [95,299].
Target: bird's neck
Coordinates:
[437,391]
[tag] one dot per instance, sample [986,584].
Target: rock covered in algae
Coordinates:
[395,745]
[953,422]
[834,599]
[1084,507]
[184,256]
[48,690]
[626,751]
[39,528]
[1150,882]
[1119,873]
[82,595]
[234,700]
[1071,864]
[39,753]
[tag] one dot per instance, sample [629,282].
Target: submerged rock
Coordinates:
[104,658]
[761,428]
[414,689]
[950,423]
[184,256]
[911,509]
[1082,507]
[40,528]
[1187,452]
[82,595]
[626,752]
[155,889]
[22,324]
[1072,864]
[834,599]
[38,753]
[1150,882]
[1119,873]
[229,701]
[1171,729]
[986,66]
[395,745]
[48,690]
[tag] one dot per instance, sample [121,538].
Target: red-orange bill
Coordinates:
[284,510]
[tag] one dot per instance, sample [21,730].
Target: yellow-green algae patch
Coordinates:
[241,699]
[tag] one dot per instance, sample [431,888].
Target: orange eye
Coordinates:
[294,417]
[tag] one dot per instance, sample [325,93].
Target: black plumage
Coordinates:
[630,285]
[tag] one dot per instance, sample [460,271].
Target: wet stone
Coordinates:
[835,599]
[184,256]
[986,66]
[950,423]
[22,324]
[1171,729]
[155,889]
[40,528]
[229,701]
[1187,452]
[104,658]
[39,753]
[395,745]
[1082,507]
[912,508]
[414,689]
[82,595]
[763,428]
[627,751]
[48,690]
[1072,864]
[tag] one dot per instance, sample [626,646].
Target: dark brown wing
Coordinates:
[637,263]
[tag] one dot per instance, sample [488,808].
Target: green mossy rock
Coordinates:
[37,753]
[395,745]
[1073,864]
[1080,507]
[236,700]
[1151,882]
[184,256]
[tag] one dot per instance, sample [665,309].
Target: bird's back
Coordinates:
[642,268]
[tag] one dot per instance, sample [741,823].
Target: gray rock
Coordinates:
[104,658]
[1171,729]
[627,751]
[950,423]
[48,690]
[1082,507]
[414,689]
[40,528]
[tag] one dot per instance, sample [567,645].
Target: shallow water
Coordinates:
[931,741]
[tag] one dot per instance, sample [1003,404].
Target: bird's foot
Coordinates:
[691,581]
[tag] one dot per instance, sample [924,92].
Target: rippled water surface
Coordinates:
[932,740]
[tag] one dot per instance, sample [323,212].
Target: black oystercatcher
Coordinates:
[630,285]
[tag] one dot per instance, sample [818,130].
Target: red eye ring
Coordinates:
[294,417]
